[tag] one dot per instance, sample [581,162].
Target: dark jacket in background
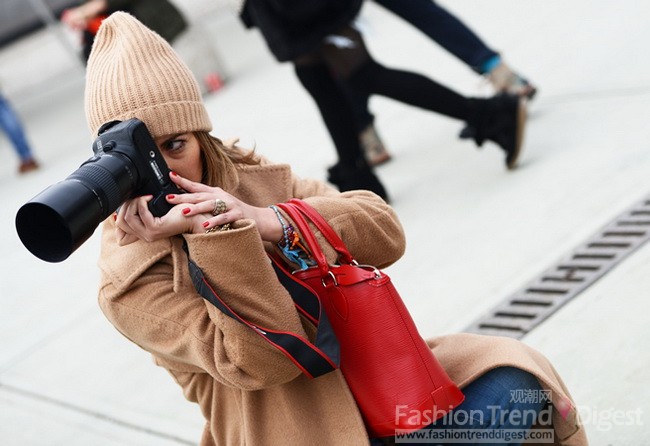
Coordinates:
[292,28]
[159,15]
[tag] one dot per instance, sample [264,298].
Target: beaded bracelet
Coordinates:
[287,229]
[290,244]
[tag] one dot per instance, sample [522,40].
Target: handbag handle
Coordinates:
[324,227]
[308,236]
[299,211]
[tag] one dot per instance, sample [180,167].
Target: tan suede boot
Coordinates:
[373,147]
[505,80]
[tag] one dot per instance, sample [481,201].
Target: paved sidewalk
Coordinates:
[475,232]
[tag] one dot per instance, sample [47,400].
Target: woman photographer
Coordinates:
[248,391]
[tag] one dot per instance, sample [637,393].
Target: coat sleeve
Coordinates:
[150,299]
[367,225]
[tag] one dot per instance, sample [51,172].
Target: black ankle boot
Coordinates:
[355,177]
[500,119]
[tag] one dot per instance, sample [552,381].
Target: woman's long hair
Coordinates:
[219,161]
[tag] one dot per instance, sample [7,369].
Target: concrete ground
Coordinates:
[475,232]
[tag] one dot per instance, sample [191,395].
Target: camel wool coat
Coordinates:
[248,391]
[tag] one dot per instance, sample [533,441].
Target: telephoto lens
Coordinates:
[126,164]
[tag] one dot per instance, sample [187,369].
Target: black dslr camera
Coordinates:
[126,164]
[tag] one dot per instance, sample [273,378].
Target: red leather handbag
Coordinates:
[396,381]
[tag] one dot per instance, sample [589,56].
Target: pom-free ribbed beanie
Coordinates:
[132,72]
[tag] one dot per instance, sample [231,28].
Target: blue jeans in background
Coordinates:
[445,29]
[10,124]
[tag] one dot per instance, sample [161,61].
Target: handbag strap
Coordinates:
[324,227]
[319,358]
[308,236]
[299,211]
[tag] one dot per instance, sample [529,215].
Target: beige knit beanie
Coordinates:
[132,72]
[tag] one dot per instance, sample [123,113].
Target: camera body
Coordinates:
[143,163]
[126,164]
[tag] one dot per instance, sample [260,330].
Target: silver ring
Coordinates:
[219,207]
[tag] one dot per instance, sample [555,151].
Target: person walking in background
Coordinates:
[10,123]
[321,42]
[453,35]
[160,15]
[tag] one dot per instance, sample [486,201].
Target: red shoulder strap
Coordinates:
[325,229]
[308,236]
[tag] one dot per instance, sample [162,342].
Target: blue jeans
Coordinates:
[443,28]
[10,124]
[493,401]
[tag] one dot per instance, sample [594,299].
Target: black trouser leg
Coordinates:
[352,171]
[410,88]
[359,102]
[335,111]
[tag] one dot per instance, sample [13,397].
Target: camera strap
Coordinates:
[313,359]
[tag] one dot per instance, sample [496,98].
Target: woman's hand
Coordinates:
[199,200]
[191,213]
[74,19]
[134,222]
[77,18]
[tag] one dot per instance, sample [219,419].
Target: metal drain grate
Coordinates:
[544,295]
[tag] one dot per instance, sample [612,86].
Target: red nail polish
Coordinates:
[115,217]
[206,224]
[171,196]
[186,211]
[172,173]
